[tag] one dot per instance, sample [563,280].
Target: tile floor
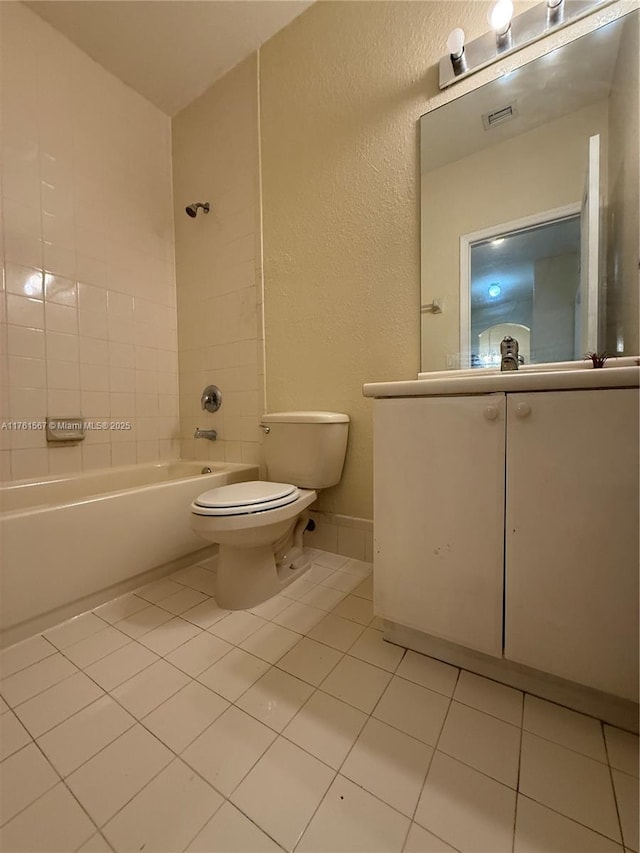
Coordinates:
[160,722]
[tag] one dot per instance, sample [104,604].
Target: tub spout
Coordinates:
[211,434]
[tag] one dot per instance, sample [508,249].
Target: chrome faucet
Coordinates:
[509,351]
[211,434]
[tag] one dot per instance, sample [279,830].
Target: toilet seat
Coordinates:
[245,498]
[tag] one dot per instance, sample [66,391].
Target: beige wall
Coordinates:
[342,88]
[536,171]
[88,320]
[215,159]
[623,309]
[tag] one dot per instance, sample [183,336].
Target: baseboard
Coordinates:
[341,534]
[618,712]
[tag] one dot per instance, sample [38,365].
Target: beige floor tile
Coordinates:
[421,841]
[121,665]
[358,567]
[145,691]
[282,791]
[486,743]
[568,728]
[413,709]
[326,727]
[365,588]
[569,783]
[79,738]
[299,617]
[96,646]
[184,716]
[228,749]
[13,735]
[120,608]
[137,624]
[112,777]
[489,696]
[167,637]
[310,661]
[275,698]
[24,777]
[198,578]
[372,648]
[74,630]
[389,764]
[623,750]
[54,705]
[181,601]
[156,591]
[627,798]
[332,561]
[166,814]
[229,831]
[319,573]
[233,674]
[357,609]
[350,819]
[540,830]
[55,822]
[22,655]
[236,627]
[35,678]
[271,607]
[271,642]
[323,597]
[465,808]
[96,844]
[357,683]
[336,632]
[428,672]
[199,653]
[206,614]
[344,582]
[298,588]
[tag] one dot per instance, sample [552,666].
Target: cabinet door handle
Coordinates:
[523,410]
[491,413]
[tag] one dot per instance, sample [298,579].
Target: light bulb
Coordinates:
[500,17]
[455,43]
[494,291]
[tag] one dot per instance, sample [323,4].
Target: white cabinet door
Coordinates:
[572,536]
[439,515]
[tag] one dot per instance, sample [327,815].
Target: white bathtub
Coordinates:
[69,542]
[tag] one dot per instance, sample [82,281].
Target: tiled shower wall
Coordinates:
[218,266]
[89,303]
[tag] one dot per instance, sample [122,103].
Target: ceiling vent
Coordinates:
[493,119]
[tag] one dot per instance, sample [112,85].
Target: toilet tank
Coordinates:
[306,449]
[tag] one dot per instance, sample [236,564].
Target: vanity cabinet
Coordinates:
[508,524]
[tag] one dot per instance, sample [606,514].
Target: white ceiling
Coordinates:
[170,51]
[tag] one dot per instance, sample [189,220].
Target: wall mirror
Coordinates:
[529,209]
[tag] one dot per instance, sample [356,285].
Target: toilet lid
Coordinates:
[254,496]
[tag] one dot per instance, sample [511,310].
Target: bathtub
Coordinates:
[68,543]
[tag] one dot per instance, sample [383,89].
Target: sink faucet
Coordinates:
[211,434]
[509,352]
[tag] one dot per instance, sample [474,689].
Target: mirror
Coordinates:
[529,209]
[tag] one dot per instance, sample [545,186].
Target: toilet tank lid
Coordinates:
[305,418]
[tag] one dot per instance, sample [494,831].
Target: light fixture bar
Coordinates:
[525,29]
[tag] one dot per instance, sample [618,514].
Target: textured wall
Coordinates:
[342,88]
[215,159]
[88,257]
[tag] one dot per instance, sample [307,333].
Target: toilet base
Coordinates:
[247,577]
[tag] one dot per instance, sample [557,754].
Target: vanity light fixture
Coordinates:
[509,34]
[494,291]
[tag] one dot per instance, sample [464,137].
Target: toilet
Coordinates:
[259,524]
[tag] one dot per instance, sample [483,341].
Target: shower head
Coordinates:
[192,209]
